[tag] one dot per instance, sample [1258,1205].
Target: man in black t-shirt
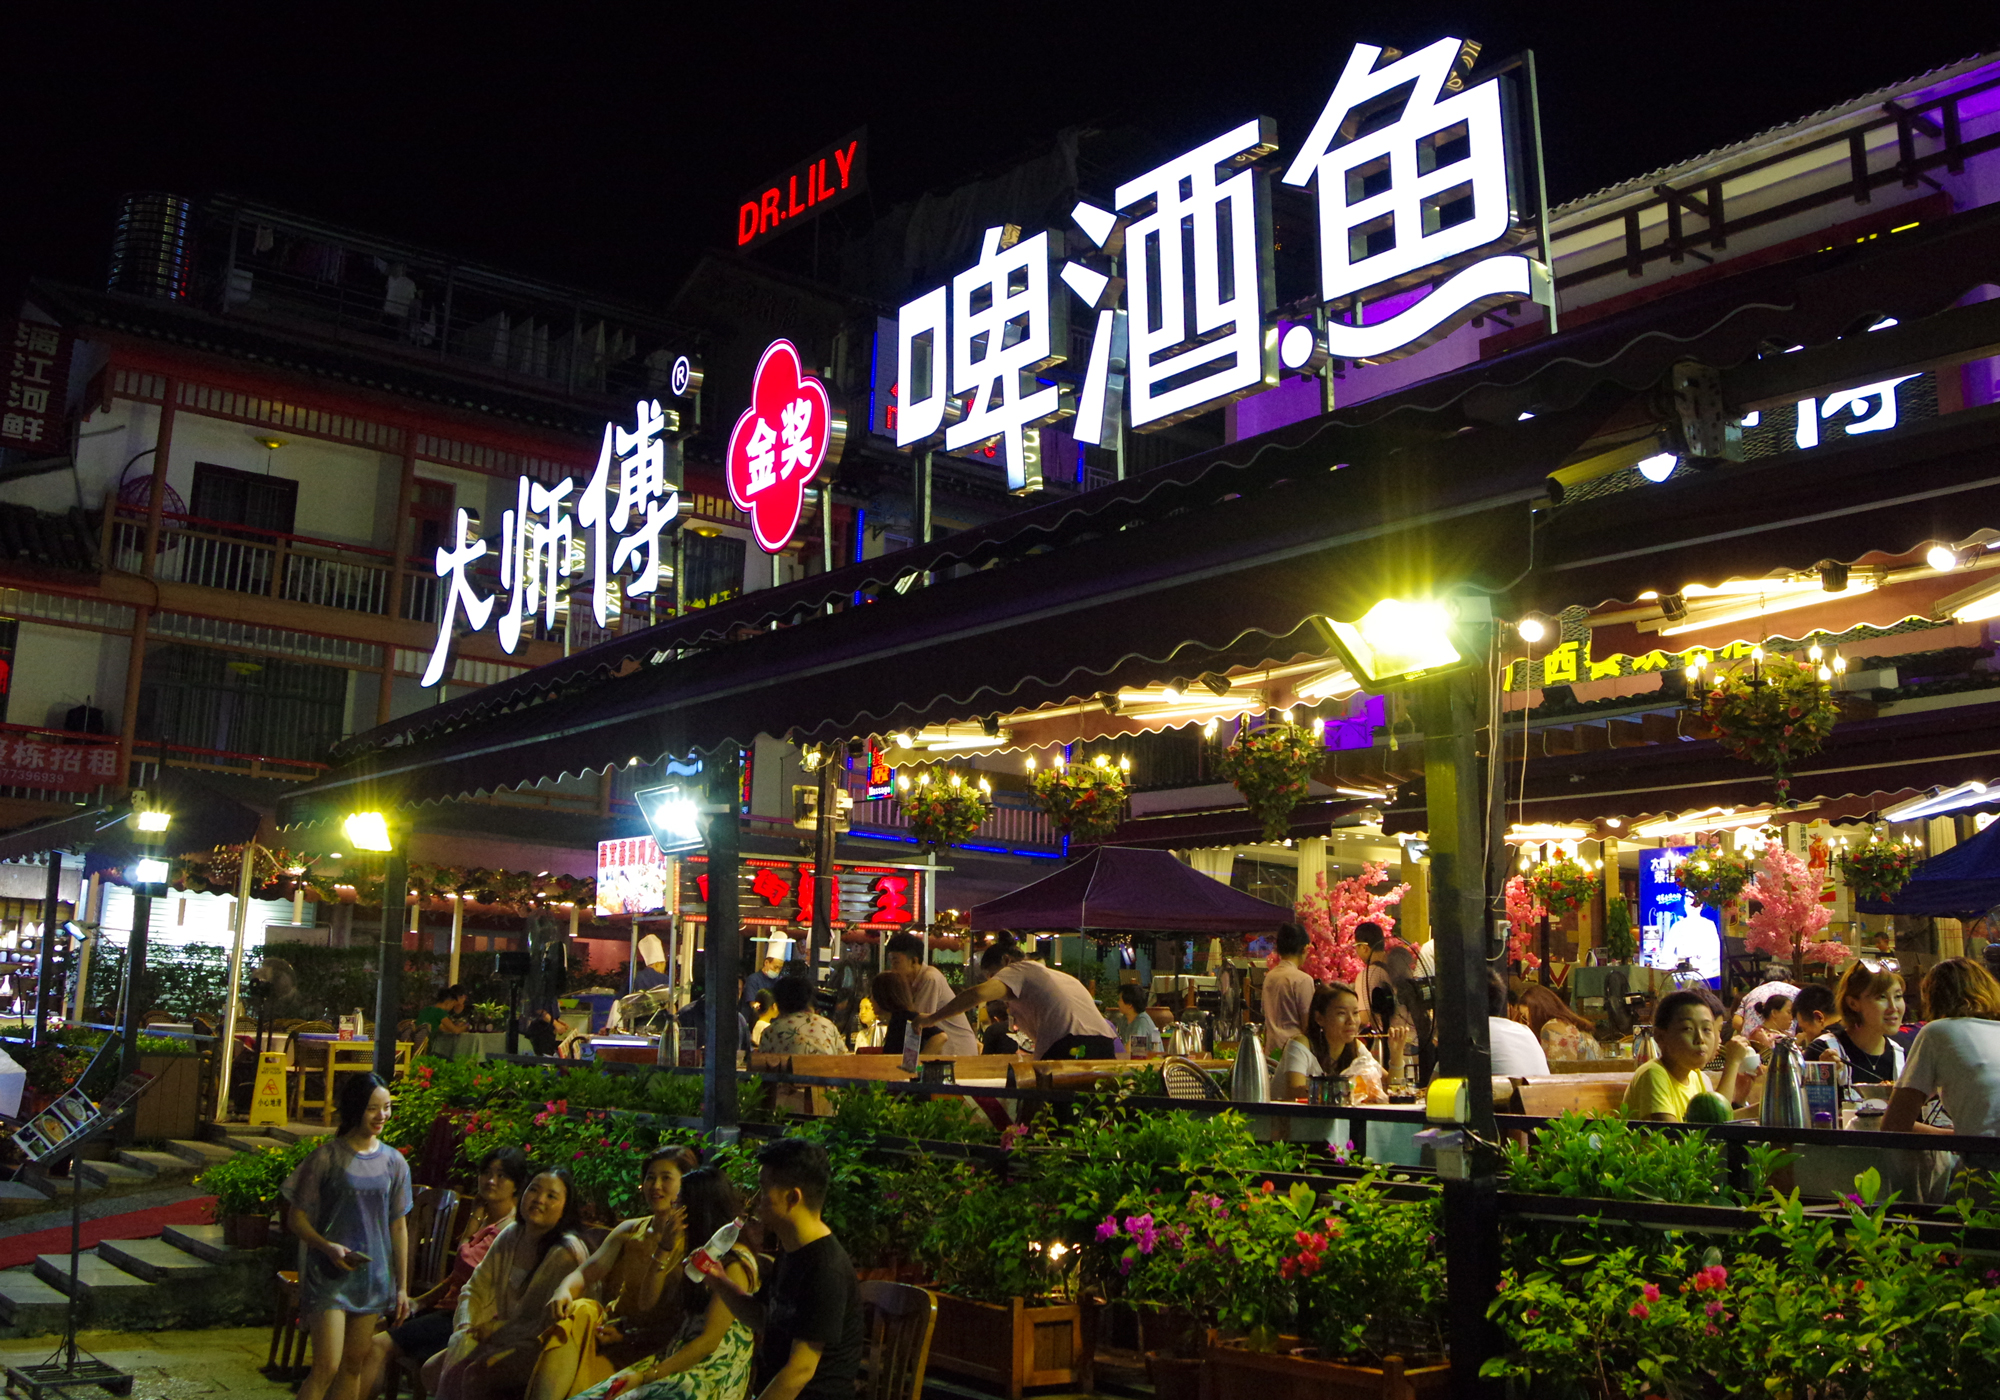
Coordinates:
[807,1314]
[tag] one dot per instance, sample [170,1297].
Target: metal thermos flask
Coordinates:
[1251,1081]
[1784,1088]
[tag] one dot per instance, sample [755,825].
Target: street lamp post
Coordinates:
[723,962]
[369,831]
[149,878]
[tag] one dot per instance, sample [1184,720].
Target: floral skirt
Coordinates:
[721,1375]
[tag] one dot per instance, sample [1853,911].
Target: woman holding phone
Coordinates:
[347,1204]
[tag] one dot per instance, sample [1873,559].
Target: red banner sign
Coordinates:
[32,761]
[34,386]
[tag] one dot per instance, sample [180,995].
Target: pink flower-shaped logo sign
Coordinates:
[778,445]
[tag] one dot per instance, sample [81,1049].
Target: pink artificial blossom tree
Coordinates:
[1524,917]
[1790,916]
[1330,915]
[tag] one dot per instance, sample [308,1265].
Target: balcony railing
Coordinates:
[295,568]
[1012,827]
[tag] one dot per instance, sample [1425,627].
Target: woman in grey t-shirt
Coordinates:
[347,1204]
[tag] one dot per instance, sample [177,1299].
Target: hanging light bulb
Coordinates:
[1814,652]
[1125,764]
[1694,672]
[902,782]
[1826,673]
[1839,664]
[925,780]
[1319,727]
[985,787]
[1288,716]
[1208,730]
[1062,759]
[1103,760]
[955,780]
[1031,763]
[1757,654]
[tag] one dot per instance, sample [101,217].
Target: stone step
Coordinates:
[96,1277]
[58,1187]
[29,1305]
[165,1168]
[205,1242]
[21,1198]
[201,1154]
[116,1178]
[155,1260]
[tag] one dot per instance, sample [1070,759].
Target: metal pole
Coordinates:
[389,957]
[1459,910]
[921,491]
[242,920]
[457,937]
[135,968]
[823,849]
[43,969]
[1541,183]
[724,957]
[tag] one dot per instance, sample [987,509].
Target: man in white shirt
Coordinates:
[1055,1008]
[929,991]
[1288,991]
[1517,1052]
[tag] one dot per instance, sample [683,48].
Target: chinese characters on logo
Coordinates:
[620,541]
[1414,176]
[35,359]
[778,445]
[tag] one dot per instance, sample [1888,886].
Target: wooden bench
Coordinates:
[1547,1097]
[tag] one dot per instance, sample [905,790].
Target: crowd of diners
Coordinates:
[532,1311]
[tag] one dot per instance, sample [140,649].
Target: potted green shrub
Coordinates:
[246,1188]
[1006,1285]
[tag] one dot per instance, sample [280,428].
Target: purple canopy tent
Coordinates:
[1119,887]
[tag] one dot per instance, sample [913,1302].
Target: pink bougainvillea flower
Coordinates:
[1640,1310]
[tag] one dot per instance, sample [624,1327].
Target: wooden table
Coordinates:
[468,1045]
[329,1056]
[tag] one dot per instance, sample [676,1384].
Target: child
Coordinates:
[807,1313]
[1665,1086]
[1142,1037]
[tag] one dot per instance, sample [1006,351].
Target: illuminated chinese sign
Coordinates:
[1417,180]
[773,892]
[807,190]
[778,445]
[631,876]
[613,532]
[34,383]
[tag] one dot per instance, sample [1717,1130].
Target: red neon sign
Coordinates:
[809,188]
[778,445]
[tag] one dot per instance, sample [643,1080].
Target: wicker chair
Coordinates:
[1187,1080]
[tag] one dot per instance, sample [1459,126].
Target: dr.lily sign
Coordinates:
[1418,179]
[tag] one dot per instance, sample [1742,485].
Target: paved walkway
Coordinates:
[219,1361]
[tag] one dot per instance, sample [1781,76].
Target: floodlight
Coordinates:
[368,831]
[150,871]
[153,821]
[1401,639]
[673,815]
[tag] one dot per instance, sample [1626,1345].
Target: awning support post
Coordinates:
[723,958]
[1448,708]
[823,849]
[226,1051]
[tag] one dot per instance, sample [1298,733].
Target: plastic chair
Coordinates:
[1187,1080]
[899,1319]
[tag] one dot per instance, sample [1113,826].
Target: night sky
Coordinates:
[608,147]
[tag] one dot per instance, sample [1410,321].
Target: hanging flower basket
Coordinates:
[1270,765]
[1562,885]
[1085,801]
[1879,867]
[1772,715]
[943,813]
[1714,877]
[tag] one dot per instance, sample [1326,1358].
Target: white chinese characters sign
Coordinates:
[1417,189]
[554,532]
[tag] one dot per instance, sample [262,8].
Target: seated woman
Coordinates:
[502,1174]
[497,1336]
[1137,1028]
[1332,1046]
[895,1007]
[798,1029]
[713,1359]
[1685,1030]
[1870,1003]
[1768,1019]
[1955,1056]
[634,1274]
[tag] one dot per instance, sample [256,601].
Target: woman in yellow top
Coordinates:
[636,1274]
[1685,1029]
